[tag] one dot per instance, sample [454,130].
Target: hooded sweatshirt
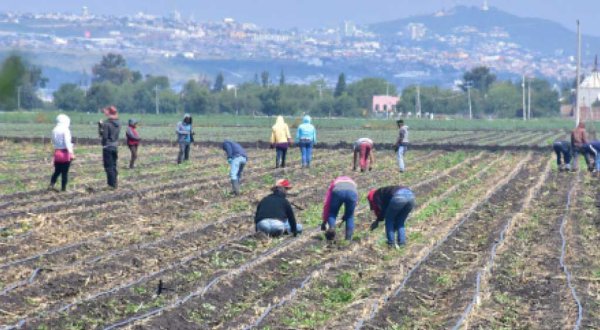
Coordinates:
[61,134]
[578,136]
[109,133]
[233,149]
[133,138]
[306,131]
[184,131]
[280,132]
[403,136]
[379,199]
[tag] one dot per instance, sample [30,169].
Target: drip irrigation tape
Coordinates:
[563,263]
[467,216]
[28,281]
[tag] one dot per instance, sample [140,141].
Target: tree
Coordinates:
[281,78]
[270,99]
[113,68]
[264,77]
[99,96]
[503,100]
[479,77]
[19,77]
[69,97]
[346,106]
[256,80]
[219,83]
[340,87]
[196,98]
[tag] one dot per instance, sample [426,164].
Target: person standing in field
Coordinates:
[109,133]
[363,150]
[280,140]
[578,140]
[392,204]
[63,151]
[563,154]
[402,143]
[133,141]
[342,191]
[306,137]
[185,137]
[237,158]
[274,214]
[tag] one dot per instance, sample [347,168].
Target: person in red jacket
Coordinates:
[392,204]
[133,141]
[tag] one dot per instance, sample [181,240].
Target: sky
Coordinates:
[318,13]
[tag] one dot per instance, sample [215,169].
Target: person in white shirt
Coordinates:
[63,151]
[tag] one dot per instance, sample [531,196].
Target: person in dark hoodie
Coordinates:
[109,133]
[274,214]
[133,141]
[392,204]
[237,158]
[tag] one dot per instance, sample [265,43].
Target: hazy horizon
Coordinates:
[317,13]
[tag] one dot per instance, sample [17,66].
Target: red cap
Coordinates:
[110,112]
[284,183]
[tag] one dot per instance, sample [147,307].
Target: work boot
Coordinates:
[236,187]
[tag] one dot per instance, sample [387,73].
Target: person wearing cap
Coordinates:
[342,191]
[578,141]
[563,154]
[392,204]
[109,133]
[274,214]
[133,141]
[401,143]
[280,140]
[185,137]
[363,149]
[306,137]
[237,158]
[63,151]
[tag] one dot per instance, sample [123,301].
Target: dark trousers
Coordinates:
[134,150]
[63,171]
[281,153]
[184,152]
[109,157]
[563,153]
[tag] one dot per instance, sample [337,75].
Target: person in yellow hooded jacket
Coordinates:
[280,140]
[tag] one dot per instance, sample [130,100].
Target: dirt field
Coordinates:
[498,240]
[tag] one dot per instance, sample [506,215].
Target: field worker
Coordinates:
[363,149]
[274,214]
[402,143]
[280,140]
[237,158]
[109,133]
[133,141]
[63,151]
[394,204]
[185,137]
[593,150]
[578,140]
[306,137]
[563,154]
[342,191]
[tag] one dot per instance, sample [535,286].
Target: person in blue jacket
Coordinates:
[563,154]
[237,158]
[593,149]
[306,137]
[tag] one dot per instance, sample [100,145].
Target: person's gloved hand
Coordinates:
[323,226]
[229,160]
[374,225]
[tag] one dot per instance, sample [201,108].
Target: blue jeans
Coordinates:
[306,150]
[237,167]
[347,198]
[597,162]
[396,214]
[401,150]
[275,227]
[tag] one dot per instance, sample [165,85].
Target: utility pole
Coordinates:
[156,98]
[524,105]
[237,110]
[469,86]
[418,103]
[577,109]
[529,99]
[19,98]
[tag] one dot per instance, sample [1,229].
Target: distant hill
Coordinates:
[539,35]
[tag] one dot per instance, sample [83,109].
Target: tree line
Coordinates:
[115,83]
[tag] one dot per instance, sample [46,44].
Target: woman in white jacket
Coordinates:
[63,151]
